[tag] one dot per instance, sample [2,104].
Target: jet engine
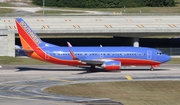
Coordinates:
[111,65]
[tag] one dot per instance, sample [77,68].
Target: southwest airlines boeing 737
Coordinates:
[108,58]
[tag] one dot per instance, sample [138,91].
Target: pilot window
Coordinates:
[159,53]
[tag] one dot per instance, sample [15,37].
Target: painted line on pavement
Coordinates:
[55,79]
[129,77]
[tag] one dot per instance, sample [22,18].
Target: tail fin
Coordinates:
[28,38]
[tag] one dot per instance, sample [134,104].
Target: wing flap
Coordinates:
[88,61]
[95,61]
[92,62]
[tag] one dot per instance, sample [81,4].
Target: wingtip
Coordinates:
[69,44]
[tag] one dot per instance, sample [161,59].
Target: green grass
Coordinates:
[129,93]
[174,61]
[159,10]
[20,61]
[5,4]
[46,12]
[6,10]
[177,1]
[175,9]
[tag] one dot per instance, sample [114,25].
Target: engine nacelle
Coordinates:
[111,65]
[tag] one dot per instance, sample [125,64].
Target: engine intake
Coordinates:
[111,65]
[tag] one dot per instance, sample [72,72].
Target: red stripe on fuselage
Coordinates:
[138,62]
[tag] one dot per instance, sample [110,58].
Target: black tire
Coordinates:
[152,69]
[92,68]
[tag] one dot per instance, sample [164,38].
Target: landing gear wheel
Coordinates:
[92,68]
[152,68]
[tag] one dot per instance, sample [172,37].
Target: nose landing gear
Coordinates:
[153,66]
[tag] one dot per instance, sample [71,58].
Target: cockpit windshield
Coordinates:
[159,53]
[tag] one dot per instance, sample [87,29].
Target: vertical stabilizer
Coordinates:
[28,38]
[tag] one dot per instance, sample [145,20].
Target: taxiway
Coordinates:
[23,84]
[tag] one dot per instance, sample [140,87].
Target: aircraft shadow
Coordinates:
[144,69]
[85,70]
[45,69]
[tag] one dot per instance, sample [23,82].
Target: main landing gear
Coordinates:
[92,68]
[152,68]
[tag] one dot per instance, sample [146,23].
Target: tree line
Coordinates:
[105,3]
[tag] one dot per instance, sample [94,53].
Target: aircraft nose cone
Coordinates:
[166,58]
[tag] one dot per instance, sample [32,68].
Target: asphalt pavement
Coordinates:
[24,84]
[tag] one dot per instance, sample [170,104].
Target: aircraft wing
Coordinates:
[92,62]
[89,61]
[95,61]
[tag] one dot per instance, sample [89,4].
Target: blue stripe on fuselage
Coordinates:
[102,52]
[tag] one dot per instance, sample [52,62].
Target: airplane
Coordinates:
[108,58]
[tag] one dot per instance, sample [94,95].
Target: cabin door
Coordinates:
[101,55]
[149,54]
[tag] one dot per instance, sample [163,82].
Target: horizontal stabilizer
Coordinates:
[27,50]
